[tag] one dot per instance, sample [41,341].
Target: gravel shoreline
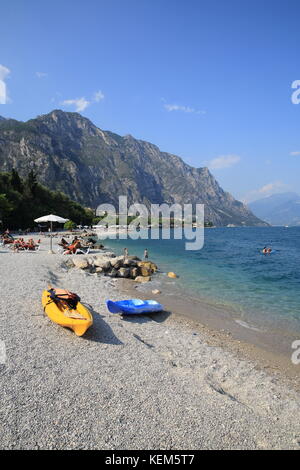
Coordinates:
[136,383]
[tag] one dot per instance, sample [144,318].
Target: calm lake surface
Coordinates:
[230,270]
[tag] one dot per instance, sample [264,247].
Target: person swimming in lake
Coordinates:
[267,251]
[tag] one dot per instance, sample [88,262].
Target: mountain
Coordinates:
[279,209]
[2,118]
[92,166]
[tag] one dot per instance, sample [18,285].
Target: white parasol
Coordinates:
[51,218]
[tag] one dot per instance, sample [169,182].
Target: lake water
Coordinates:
[230,270]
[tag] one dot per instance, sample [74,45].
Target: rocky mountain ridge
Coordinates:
[93,166]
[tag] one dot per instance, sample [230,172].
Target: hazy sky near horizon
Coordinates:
[210,81]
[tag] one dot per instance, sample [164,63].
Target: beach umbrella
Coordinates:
[51,218]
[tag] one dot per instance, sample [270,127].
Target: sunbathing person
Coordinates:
[71,249]
[18,244]
[7,239]
[30,245]
[63,243]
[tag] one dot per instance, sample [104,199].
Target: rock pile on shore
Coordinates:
[108,264]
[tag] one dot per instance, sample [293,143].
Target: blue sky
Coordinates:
[207,80]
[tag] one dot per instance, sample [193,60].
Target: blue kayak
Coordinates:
[134,306]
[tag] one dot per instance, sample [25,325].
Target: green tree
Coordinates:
[32,182]
[16,181]
[5,208]
[70,225]
[5,205]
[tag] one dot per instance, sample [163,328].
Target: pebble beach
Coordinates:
[149,382]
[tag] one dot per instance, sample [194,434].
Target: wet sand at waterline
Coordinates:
[129,383]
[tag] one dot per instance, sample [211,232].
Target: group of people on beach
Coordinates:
[21,244]
[18,244]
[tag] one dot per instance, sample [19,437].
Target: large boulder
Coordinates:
[147,267]
[172,275]
[102,262]
[81,263]
[145,271]
[116,263]
[134,272]
[112,273]
[156,291]
[142,279]
[105,265]
[108,254]
[69,263]
[99,260]
[133,258]
[124,272]
[130,262]
[90,260]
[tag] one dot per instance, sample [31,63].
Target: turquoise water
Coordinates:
[230,270]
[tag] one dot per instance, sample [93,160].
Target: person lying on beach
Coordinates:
[31,245]
[71,249]
[19,244]
[63,243]
[7,238]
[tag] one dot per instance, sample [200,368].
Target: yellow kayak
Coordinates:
[56,306]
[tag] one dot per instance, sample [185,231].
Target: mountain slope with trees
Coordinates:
[70,154]
[23,200]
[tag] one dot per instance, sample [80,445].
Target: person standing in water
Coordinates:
[146,254]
